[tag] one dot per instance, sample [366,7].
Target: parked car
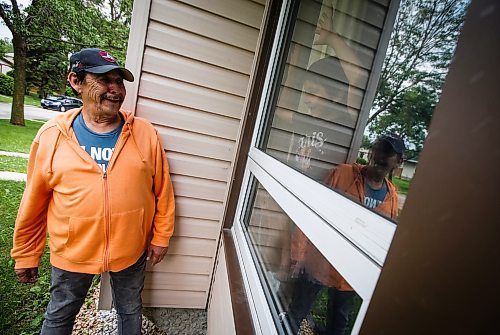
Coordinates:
[60,103]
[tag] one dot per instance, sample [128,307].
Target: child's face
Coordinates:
[315,98]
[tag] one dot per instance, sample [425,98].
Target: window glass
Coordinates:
[323,99]
[304,290]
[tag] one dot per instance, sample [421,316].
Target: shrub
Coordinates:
[10,73]
[361,161]
[69,92]
[6,85]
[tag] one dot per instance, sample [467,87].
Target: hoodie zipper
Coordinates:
[107,211]
[107,219]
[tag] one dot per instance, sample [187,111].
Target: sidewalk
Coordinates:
[16,176]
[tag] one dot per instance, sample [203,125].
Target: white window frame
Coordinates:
[361,237]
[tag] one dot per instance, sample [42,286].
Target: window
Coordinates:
[301,186]
[305,291]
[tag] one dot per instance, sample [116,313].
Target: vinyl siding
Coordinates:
[192,85]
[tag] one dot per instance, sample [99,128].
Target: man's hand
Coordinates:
[27,276]
[156,254]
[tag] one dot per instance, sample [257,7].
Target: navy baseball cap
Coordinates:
[395,141]
[97,61]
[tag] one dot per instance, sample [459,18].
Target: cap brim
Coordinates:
[126,74]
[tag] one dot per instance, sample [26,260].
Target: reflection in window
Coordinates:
[305,290]
[316,111]
[323,84]
[324,79]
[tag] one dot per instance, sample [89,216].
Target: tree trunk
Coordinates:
[17,111]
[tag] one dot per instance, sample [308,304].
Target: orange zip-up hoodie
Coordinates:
[348,180]
[96,221]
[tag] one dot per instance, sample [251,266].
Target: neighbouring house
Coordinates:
[254,108]
[6,63]
[409,167]
[363,153]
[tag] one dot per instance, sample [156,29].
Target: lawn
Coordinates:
[401,184]
[32,99]
[16,138]
[13,164]
[21,305]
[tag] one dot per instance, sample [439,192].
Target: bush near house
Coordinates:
[361,160]
[6,84]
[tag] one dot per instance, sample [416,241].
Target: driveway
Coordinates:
[30,112]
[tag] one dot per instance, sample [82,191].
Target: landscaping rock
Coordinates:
[91,321]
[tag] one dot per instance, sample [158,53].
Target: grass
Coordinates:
[16,138]
[21,305]
[401,184]
[32,99]
[320,309]
[13,164]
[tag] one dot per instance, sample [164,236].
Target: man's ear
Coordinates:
[74,82]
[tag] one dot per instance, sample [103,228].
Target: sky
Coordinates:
[4,31]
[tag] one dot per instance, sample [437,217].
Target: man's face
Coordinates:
[103,93]
[383,158]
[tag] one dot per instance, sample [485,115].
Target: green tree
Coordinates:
[5,47]
[46,31]
[410,117]
[96,23]
[420,50]
[18,23]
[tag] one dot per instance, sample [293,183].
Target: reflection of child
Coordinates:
[324,100]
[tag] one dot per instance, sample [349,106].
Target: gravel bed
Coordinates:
[90,320]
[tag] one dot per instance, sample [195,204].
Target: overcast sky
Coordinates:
[4,31]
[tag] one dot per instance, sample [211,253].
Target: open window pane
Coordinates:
[306,293]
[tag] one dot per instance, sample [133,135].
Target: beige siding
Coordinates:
[220,313]
[197,59]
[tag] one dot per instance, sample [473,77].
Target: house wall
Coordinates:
[4,67]
[220,312]
[192,61]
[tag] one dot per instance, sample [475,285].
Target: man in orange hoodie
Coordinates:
[367,185]
[99,184]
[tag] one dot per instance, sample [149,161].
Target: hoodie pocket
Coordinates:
[85,239]
[127,234]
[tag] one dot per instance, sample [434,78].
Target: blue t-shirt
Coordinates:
[374,197]
[99,146]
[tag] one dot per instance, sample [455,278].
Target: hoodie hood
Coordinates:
[64,121]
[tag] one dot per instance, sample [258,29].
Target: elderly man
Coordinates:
[98,182]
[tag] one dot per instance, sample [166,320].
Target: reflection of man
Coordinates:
[369,186]
[98,182]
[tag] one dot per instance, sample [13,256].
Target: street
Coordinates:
[30,112]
